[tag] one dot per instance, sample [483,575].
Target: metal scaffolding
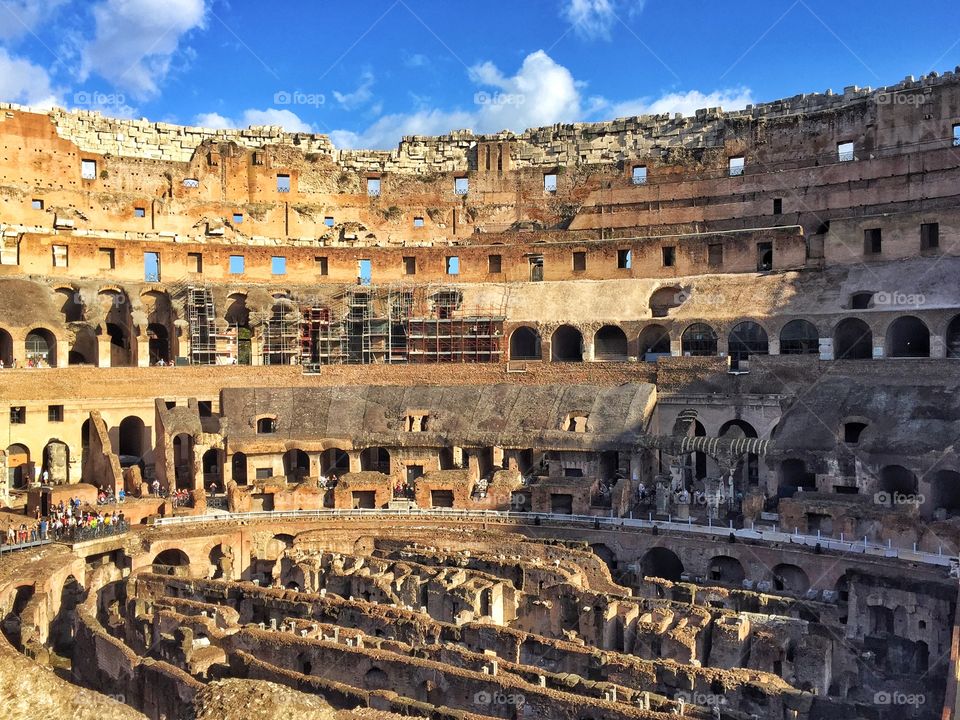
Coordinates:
[281,334]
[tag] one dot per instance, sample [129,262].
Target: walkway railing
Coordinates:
[851,546]
[5,548]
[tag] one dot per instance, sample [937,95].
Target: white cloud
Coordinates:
[359,97]
[594,19]
[388,130]
[680,102]
[286,119]
[136,40]
[416,60]
[20,17]
[23,82]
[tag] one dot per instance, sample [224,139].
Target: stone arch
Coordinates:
[664,299]
[908,337]
[376,679]
[215,560]
[790,578]
[56,461]
[159,343]
[951,338]
[238,468]
[945,489]
[375,459]
[852,340]
[183,464]
[118,326]
[41,347]
[663,563]
[727,570]
[566,344]
[85,350]
[696,462]
[72,593]
[19,467]
[171,561]
[699,340]
[748,469]
[12,621]
[131,437]
[238,324]
[799,337]
[161,325]
[296,465]
[71,304]
[6,348]
[525,344]
[745,339]
[211,464]
[896,479]
[604,552]
[610,343]
[794,475]
[654,340]
[334,461]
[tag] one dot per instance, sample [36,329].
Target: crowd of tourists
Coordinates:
[67,522]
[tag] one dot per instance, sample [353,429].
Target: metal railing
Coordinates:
[844,545]
[5,548]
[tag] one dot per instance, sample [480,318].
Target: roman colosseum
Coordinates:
[646,418]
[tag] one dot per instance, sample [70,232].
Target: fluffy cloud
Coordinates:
[135,41]
[359,97]
[388,130]
[20,17]
[594,19]
[23,82]
[288,120]
[680,102]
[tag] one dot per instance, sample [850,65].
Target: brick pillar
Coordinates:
[826,348]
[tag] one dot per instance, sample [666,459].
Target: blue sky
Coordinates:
[369,71]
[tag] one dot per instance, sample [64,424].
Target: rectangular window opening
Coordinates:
[736,166]
[139,212]
[624,259]
[322,266]
[494,264]
[956,135]
[237,264]
[55,413]
[278,265]
[777,206]
[929,236]
[579,261]
[60,256]
[461,186]
[373,187]
[151,267]
[365,269]
[237,218]
[536,268]
[283,183]
[418,222]
[18,415]
[107,259]
[36,204]
[715,254]
[639,175]
[669,256]
[409,266]
[195,262]
[328,221]
[845,151]
[764,256]
[88,169]
[453,265]
[550,182]
[872,241]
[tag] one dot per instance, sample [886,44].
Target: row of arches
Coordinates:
[907,337]
[662,562]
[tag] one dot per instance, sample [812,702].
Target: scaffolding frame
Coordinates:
[281,333]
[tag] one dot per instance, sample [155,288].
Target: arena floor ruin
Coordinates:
[648,418]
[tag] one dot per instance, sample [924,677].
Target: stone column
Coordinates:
[63,353]
[354,460]
[826,348]
[938,348]
[143,352]
[104,351]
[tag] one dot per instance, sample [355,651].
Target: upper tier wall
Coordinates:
[561,144]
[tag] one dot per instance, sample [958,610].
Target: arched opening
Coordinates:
[748,469]
[84,441]
[662,563]
[279,334]
[945,485]
[211,463]
[19,467]
[375,459]
[603,552]
[41,348]
[727,570]
[696,462]
[897,480]
[525,344]
[952,338]
[131,437]
[376,679]
[908,337]
[665,299]
[334,461]
[6,348]
[566,345]
[790,578]
[238,466]
[746,339]
[12,620]
[70,304]
[238,322]
[85,350]
[215,559]
[852,340]
[171,562]
[799,337]
[296,465]
[122,350]
[61,629]
[699,340]
[794,477]
[56,462]
[654,342]
[115,308]
[159,342]
[183,461]
[852,431]
[610,343]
